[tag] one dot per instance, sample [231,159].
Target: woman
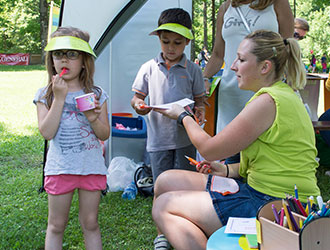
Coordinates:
[274,133]
[275,15]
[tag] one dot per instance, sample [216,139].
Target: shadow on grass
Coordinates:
[17,151]
[22,67]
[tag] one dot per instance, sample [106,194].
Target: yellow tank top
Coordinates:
[284,155]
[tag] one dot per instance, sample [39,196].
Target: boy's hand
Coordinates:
[200,114]
[60,87]
[141,108]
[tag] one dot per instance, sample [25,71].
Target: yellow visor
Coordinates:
[175,27]
[69,42]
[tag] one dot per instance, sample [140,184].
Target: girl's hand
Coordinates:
[60,87]
[172,113]
[93,114]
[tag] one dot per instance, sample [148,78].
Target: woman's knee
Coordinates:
[162,183]
[159,206]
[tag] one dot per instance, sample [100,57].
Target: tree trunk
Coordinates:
[192,45]
[213,23]
[43,8]
[205,23]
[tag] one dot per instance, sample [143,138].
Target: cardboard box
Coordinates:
[315,235]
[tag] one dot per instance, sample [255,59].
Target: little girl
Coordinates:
[74,159]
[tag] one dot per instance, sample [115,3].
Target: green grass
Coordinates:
[23,212]
[21,67]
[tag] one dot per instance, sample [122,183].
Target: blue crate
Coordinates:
[132,122]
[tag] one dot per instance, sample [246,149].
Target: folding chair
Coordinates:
[42,188]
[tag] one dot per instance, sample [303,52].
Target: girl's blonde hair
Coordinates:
[87,72]
[256,5]
[284,53]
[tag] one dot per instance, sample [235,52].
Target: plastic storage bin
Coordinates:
[129,143]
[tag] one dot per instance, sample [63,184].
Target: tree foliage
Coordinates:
[20,26]
[21,31]
[317,13]
[18,23]
[203,13]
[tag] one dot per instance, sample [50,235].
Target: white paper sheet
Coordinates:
[183,103]
[237,225]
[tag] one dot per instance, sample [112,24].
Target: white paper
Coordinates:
[183,103]
[237,225]
[224,185]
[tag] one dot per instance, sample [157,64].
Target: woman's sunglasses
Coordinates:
[70,54]
[297,36]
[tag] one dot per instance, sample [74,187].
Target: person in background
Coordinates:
[167,78]
[74,159]
[301,27]
[263,14]
[324,63]
[204,57]
[271,132]
[313,62]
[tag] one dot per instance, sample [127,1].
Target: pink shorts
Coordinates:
[66,183]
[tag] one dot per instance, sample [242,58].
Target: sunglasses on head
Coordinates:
[297,36]
[70,54]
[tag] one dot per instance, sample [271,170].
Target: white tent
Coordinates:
[119,32]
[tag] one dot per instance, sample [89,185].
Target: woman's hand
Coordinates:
[207,86]
[214,168]
[172,113]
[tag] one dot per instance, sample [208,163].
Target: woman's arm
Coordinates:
[216,60]
[219,169]
[284,17]
[248,125]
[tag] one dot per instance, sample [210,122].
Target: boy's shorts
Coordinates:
[171,159]
[67,183]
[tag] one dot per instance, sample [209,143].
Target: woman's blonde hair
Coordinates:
[87,72]
[284,53]
[256,5]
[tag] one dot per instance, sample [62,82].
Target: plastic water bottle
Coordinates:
[130,192]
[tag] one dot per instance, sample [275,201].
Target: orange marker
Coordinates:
[143,106]
[193,161]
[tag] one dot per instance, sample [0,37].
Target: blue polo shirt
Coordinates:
[163,85]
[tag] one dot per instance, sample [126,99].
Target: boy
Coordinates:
[167,78]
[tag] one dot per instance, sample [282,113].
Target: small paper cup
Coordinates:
[86,102]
